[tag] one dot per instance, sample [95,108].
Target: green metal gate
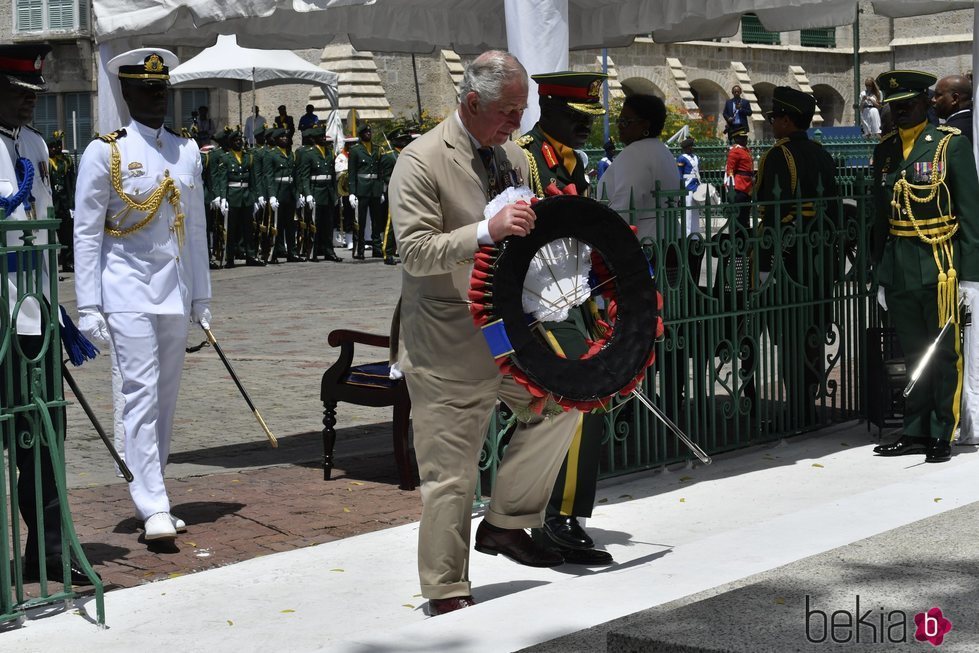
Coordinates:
[32,417]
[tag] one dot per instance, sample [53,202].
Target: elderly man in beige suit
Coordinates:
[439,188]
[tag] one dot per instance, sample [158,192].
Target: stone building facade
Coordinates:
[696,76]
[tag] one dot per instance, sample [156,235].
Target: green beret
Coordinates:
[581,91]
[787,100]
[899,85]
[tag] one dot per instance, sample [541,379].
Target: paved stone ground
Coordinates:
[240,497]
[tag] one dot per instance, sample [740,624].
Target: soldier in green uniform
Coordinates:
[62,170]
[399,139]
[238,187]
[364,169]
[925,241]
[279,168]
[305,227]
[798,168]
[569,102]
[261,216]
[316,175]
[212,160]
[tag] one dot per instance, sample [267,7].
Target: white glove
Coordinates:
[763,276]
[382,198]
[92,324]
[729,181]
[301,202]
[224,207]
[200,312]
[256,207]
[261,201]
[274,203]
[353,201]
[71,212]
[881,297]
[310,202]
[216,203]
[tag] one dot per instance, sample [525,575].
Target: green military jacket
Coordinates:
[364,169]
[546,166]
[388,160]
[258,167]
[801,168]
[906,262]
[279,171]
[236,180]
[62,171]
[212,163]
[316,175]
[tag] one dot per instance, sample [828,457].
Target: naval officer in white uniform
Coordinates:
[141,267]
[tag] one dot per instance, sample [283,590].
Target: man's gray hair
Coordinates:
[489,73]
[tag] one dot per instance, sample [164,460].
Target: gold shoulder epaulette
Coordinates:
[524,140]
[950,130]
[112,137]
[781,141]
[890,134]
[178,135]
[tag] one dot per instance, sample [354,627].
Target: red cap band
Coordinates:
[565,91]
[19,65]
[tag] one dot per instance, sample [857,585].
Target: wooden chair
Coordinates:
[365,385]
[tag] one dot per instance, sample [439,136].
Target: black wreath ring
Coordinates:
[616,362]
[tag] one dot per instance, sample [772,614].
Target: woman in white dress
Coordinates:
[870,109]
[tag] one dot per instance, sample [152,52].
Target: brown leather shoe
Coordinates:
[516,544]
[451,604]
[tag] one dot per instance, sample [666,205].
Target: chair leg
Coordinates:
[329,437]
[406,472]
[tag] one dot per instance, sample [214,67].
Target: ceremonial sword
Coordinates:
[66,375]
[923,363]
[234,377]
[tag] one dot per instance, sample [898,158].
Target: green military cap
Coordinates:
[315,131]
[788,100]
[275,132]
[903,84]
[399,134]
[225,134]
[581,91]
[259,131]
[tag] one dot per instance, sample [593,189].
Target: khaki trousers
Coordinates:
[450,419]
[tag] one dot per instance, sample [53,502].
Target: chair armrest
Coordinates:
[341,336]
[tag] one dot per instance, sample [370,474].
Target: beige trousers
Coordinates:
[450,419]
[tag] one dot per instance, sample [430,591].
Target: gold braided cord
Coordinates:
[938,236]
[535,185]
[166,190]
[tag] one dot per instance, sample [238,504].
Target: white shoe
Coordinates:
[159,527]
[178,524]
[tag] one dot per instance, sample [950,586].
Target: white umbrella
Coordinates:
[229,66]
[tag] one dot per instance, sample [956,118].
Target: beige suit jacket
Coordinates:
[438,191]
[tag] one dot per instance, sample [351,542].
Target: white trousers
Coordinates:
[969,415]
[150,352]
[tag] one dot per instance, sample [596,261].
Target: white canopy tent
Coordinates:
[229,66]
[539,32]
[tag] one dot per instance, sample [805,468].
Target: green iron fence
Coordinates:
[745,361]
[32,418]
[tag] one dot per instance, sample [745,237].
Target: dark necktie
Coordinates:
[486,155]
